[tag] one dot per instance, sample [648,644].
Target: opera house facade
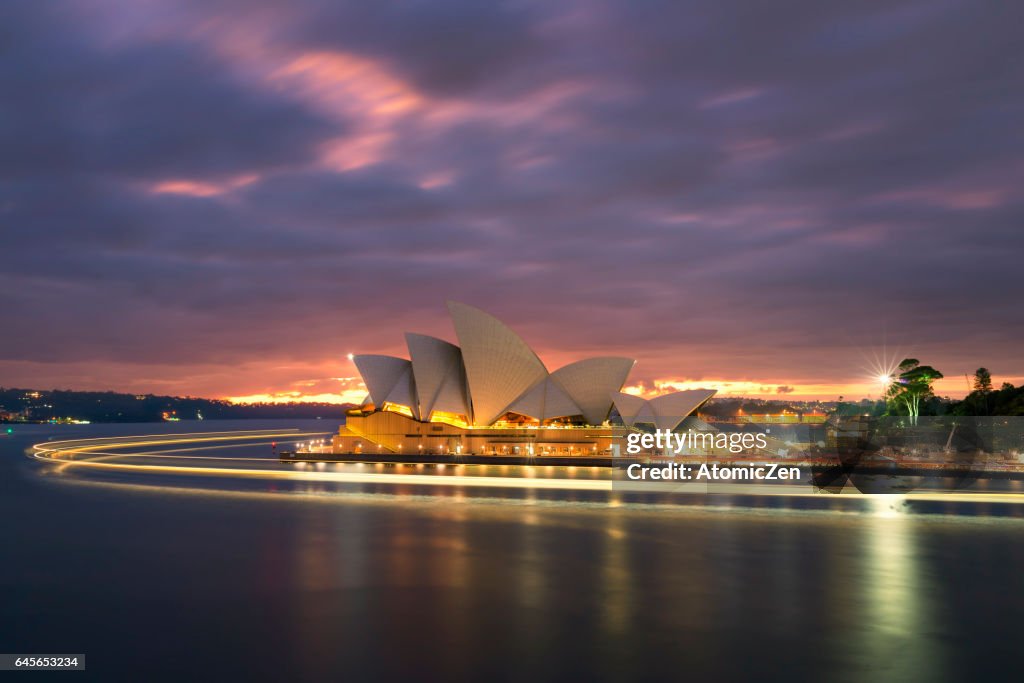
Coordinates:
[492,395]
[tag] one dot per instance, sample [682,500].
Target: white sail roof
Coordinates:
[665,412]
[495,372]
[439,375]
[499,364]
[381,374]
[590,382]
[629,407]
[404,392]
[671,409]
[545,400]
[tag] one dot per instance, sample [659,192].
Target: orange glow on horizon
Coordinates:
[725,388]
[334,381]
[355,396]
[954,387]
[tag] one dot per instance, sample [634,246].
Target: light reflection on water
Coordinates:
[895,582]
[218,467]
[453,583]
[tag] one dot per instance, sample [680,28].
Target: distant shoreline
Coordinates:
[38,406]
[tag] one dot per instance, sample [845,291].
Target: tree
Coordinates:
[982,392]
[913,383]
[983,381]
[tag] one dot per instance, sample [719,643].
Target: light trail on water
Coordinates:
[96,454]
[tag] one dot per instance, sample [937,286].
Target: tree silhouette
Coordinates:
[912,384]
[983,380]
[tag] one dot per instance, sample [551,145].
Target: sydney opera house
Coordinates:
[493,395]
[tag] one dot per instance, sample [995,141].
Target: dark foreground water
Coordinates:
[183,584]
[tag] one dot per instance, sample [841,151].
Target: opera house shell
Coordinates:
[493,380]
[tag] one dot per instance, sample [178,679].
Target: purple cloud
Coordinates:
[720,190]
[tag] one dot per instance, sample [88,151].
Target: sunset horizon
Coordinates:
[227,204]
[512,340]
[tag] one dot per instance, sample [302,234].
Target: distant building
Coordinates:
[492,394]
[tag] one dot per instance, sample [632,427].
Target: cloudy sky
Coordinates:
[225,198]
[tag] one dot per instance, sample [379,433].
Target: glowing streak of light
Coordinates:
[159,440]
[354,478]
[53,451]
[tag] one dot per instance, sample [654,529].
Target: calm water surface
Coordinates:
[158,583]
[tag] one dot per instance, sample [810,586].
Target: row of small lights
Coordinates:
[530,469]
[458,449]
